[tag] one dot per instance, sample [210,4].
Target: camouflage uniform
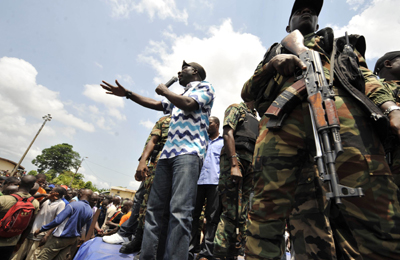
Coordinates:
[225,237]
[286,184]
[160,129]
[389,92]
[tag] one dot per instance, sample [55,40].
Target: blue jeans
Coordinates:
[169,209]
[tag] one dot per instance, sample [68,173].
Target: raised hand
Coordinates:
[118,90]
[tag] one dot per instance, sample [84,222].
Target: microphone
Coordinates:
[171,81]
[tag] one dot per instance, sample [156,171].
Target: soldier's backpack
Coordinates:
[18,217]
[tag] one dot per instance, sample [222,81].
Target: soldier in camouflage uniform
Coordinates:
[286,181]
[388,99]
[145,172]
[235,182]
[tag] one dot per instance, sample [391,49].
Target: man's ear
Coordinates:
[387,64]
[288,29]
[317,27]
[195,72]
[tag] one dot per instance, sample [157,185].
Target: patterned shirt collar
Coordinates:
[191,84]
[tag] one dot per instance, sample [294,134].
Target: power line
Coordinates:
[109,169]
[95,173]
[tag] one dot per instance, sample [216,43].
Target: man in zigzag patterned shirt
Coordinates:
[173,195]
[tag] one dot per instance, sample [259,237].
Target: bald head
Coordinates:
[10,190]
[27,182]
[127,206]
[34,189]
[93,199]
[86,194]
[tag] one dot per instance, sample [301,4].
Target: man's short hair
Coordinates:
[10,180]
[60,190]
[215,119]
[380,63]
[316,4]
[40,176]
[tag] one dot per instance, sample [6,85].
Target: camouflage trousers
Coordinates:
[226,242]
[286,187]
[143,207]
[395,167]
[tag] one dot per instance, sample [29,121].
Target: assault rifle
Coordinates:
[324,116]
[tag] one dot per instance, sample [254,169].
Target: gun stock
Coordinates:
[294,43]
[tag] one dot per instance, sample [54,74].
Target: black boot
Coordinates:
[135,244]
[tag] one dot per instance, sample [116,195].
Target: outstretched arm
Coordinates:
[120,91]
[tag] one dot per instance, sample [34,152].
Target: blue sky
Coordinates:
[54,54]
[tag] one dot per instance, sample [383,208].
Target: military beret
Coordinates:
[198,67]
[388,56]
[316,4]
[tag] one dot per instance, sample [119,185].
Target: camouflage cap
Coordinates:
[388,56]
[316,4]
[198,67]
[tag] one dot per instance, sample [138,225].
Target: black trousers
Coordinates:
[212,214]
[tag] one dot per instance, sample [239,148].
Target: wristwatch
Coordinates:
[128,94]
[390,109]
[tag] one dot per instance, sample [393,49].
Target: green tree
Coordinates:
[57,158]
[77,183]
[32,172]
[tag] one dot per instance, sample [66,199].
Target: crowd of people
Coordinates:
[262,187]
[54,220]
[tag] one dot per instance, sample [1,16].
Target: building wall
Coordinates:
[6,165]
[122,193]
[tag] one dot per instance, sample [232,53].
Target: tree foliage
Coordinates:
[32,172]
[57,158]
[66,177]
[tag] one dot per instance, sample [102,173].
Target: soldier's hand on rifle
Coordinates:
[285,64]
[236,174]
[118,90]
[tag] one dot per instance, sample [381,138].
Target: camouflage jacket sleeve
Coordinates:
[232,116]
[374,88]
[252,86]
[394,87]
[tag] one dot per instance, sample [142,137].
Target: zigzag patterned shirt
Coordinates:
[188,130]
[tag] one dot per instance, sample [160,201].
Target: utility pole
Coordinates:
[73,176]
[46,118]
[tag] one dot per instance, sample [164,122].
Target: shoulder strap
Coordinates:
[16,196]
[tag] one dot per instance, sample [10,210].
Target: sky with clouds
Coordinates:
[54,55]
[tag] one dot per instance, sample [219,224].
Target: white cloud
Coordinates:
[98,183]
[148,124]
[380,25]
[126,79]
[98,65]
[23,103]
[113,103]
[162,8]
[355,4]
[229,58]
[134,185]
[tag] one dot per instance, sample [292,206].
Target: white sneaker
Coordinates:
[115,239]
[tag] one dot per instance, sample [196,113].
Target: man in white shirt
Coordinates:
[49,210]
